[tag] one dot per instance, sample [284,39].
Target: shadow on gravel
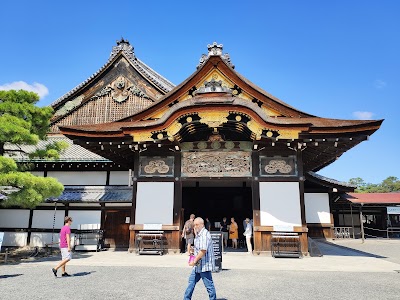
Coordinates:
[328,248]
[82,274]
[57,257]
[9,276]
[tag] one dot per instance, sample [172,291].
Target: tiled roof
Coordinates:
[330,180]
[95,194]
[147,72]
[73,153]
[373,198]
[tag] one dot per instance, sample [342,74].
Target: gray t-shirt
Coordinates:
[188,227]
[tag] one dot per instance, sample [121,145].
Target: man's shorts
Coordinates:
[190,241]
[225,236]
[65,254]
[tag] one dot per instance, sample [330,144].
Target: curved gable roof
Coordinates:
[123,48]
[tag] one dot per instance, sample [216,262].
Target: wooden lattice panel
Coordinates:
[102,110]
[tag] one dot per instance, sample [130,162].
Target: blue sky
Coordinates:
[334,59]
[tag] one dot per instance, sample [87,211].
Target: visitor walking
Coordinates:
[188,232]
[203,263]
[65,247]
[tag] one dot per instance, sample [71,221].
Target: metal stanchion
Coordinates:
[362,224]
[54,223]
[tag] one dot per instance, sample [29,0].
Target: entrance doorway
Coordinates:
[116,231]
[218,200]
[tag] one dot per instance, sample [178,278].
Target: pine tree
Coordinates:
[24,123]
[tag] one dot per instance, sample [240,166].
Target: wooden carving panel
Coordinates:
[216,164]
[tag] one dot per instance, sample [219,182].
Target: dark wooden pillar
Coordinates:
[304,234]
[102,216]
[176,235]
[28,240]
[135,175]
[255,189]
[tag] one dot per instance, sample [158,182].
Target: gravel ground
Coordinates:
[33,281]
[116,276]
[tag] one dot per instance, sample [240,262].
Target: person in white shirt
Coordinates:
[203,263]
[248,233]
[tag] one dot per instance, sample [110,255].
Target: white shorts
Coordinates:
[65,254]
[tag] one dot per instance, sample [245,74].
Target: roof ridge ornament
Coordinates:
[215,49]
[125,46]
[212,86]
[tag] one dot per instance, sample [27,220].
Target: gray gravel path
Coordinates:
[33,281]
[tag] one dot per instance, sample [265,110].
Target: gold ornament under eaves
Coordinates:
[142,136]
[256,128]
[174,128]
[288,134]
[214,118]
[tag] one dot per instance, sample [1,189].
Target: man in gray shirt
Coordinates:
[188,232]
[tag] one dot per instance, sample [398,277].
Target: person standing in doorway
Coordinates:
[233,233]
[65,247]
[224,230]
[208,224]
[248,233]
[188,232]
[203,263]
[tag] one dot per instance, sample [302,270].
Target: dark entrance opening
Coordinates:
[217,200]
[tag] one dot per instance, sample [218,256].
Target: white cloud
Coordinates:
[379,84]
[38,88]
[363,115]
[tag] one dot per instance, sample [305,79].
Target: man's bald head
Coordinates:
[199,221]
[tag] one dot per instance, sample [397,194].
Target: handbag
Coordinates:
[231,232]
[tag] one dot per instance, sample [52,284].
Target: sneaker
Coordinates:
[65,275]
[54,271]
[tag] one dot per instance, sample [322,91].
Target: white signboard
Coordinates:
[152,226]
[1,238]
[393,210]
[283,228]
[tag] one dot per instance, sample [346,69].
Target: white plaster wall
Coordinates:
[40,239]
[155,203]
[119,178]
[15,239]
[280,204]
[80,178]
[317,208]
[44,219]
[84,217]
[14,218]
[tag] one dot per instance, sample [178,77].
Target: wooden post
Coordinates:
[135,175]
[255,196]
[304,235]
[362,224]
[177,216]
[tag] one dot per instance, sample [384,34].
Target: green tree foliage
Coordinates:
[390,184]
[23,123]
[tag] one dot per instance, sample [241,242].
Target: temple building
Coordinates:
[145,153]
